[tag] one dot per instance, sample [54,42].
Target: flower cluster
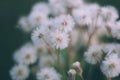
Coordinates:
[59,31]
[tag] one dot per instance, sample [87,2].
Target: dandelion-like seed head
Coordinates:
[60,39]
[110,66]
[19,72]
[94,54]
[48,74]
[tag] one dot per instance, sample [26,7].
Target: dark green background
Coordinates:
[12,38]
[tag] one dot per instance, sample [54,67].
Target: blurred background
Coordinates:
[12,38]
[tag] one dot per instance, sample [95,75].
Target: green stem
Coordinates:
[59,63]
[89,71]
[81,76]
[58,59]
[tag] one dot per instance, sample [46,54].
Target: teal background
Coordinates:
[12,38]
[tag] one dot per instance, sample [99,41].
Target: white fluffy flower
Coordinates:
[112,49]
[64,23]
[36,18]
[116,31]
[109,13]
[81,16]
[49,23]
[94,54]
[41,6]
[55,1]
[39,35]
[48,74]
[25,25]
[57,7]
[60,40]
[19,72]
[26,54]
[74,3]
[111,66]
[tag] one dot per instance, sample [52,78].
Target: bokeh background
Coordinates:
[12,38]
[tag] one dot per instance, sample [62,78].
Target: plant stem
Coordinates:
[89,71]
[58,58]
[81,76]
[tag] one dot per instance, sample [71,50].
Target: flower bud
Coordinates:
[71,74]
[77,67]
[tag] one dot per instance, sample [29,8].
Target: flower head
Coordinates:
[26,54]
[25,25]
[19,72]
[71,74]
[59,39]
[111,66]
[39,35]
[48,74]
[64,23]
[94,54]
[37,17]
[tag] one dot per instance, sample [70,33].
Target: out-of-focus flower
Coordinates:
[74,3]
[42,7]
[64,23]
[76,65]
[57,7]
[36,18]
[26,54]
[81,16]
[24,24]
[94,54]
[71,74]
[115,31]
[19,72]
[109,13]
[48,73]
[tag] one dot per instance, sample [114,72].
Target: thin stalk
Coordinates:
[81,76]
[59,63]
[89,71]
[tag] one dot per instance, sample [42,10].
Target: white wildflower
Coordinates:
[64,23]
[25,25]
[36,18]
[116,31]
[48,74]
[82,16]
[74,3]
[60,40]
[26,54]
[19,72]
[94,54]
[43,7]
[111,66]
[39,35]
[109,13]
